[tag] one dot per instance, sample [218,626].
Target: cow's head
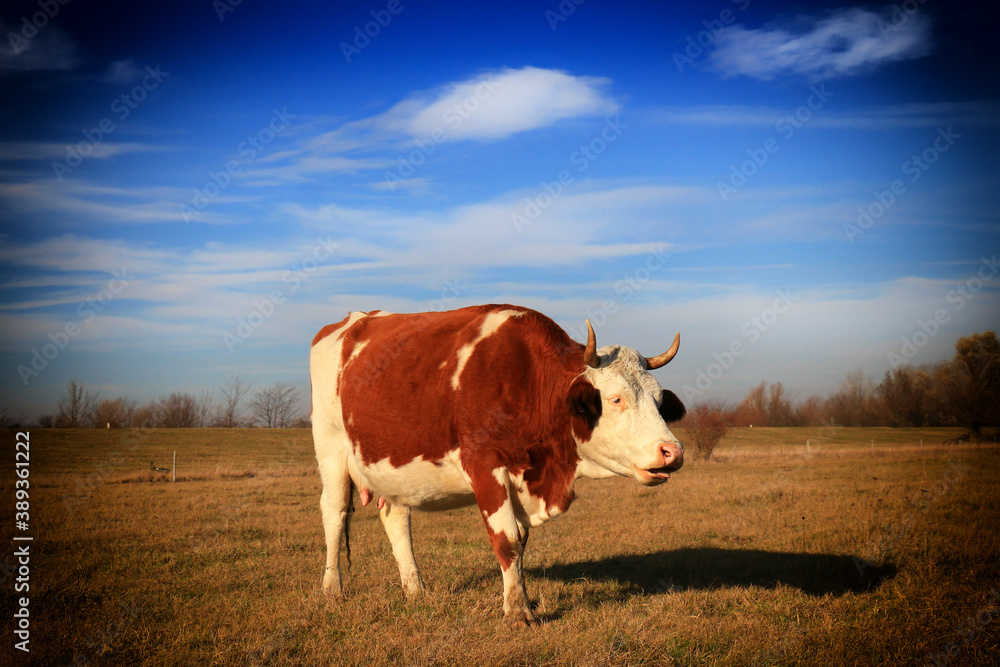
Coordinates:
[621,415]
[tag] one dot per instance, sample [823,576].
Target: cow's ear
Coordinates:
[671,408]
[584,403]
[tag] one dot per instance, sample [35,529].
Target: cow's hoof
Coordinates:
[523,619]
[333,594]
[415,593]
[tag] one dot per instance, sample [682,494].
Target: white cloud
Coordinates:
[495,106]
[843,43]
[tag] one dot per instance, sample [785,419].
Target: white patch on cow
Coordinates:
[489,327]
[533,510]
[324,373]
[504,520]
[420,483]
[356,351]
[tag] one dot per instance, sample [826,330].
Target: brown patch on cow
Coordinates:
[505,551]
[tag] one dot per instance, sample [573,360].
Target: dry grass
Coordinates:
[770,555]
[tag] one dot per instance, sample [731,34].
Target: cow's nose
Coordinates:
[673,455]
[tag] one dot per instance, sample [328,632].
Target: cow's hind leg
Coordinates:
[335,503]
[396,521]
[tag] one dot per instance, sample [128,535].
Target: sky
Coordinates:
[190,190]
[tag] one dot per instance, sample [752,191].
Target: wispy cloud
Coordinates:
[79,202]
[842,43]
[967,114]
[122,72]
[50,150]
[488,107]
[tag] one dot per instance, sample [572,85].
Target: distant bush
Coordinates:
[705,425]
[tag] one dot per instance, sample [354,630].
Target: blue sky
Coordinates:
[190,190]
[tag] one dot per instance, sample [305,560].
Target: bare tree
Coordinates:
[812,412]
[204,408]
[753,409]
[178,410]
[855,404]
[233,392]
[272,406]
[976,396]
[147,415]
[118,413]
[779,408]
[77,407]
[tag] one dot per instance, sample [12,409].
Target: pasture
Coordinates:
[773,553]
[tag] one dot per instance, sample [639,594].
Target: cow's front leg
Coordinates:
[508,536]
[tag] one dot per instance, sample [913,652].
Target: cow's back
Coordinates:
[413,385]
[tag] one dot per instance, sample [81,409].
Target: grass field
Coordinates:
[864,547]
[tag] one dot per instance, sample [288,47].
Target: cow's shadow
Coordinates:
[711,567]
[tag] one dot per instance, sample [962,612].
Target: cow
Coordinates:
[491,405]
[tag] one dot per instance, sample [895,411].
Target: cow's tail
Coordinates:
[347,523]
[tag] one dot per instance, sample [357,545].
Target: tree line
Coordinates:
[233,405]
[963,391]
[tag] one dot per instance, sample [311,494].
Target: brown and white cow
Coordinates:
[489,405]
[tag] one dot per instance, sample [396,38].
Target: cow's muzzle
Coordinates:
[672,454]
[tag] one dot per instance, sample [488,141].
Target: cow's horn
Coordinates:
[590,354]
[656,362]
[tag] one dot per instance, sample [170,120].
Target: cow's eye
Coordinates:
[615,400]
